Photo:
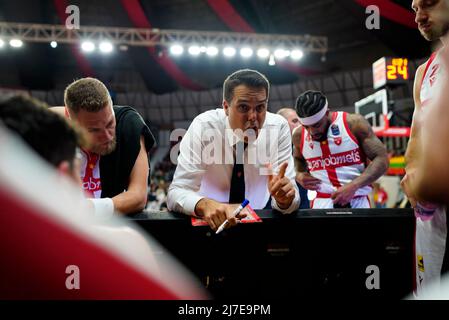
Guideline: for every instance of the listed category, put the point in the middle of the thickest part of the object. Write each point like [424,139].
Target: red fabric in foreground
[36,252]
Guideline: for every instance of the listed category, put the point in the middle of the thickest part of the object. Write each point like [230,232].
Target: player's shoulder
[213,115]
[358,125]
[422,67]
[355,118]
[277,122]
[296,136]
[419,75]
[274,119]
[420,71]
[210,119]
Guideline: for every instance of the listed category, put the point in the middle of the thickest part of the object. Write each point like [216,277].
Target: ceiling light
[16,43]
[246,52]
[194,50]
[229,51]
[176,49]
[106,47]
[296,54]
[263,53]
[281,53]
[212,51]
[53,44]
[87,46]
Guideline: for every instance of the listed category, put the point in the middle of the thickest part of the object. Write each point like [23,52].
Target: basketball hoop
[375,109]
[387,131]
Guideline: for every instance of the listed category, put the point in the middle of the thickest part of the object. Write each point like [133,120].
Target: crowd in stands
[160,178]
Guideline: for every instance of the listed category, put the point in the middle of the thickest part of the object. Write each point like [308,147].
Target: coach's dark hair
[309,103]
[46,132]
[247,77]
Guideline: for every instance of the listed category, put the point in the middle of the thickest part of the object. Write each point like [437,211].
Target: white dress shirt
[205,164]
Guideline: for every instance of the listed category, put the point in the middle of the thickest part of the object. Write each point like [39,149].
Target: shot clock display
[388,71]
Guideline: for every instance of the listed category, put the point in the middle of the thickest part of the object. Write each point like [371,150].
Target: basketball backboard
[373,108]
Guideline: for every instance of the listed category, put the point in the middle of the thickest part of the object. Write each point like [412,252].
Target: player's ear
[67,112]
[70,171]
[63,168]
[225,107]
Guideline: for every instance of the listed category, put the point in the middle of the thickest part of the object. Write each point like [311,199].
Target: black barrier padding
[311,254]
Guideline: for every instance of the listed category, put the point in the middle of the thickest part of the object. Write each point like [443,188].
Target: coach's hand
[215,213]
[281,188]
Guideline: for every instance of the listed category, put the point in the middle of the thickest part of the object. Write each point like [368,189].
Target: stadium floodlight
[246,52]
[176,49]
[16,43]
[161,40]
[271,61]
[281,53]
[263,53]
[87,46]
[194,50]
[296,54]
[53,44]
[106,47]
[229,52]
[212,51]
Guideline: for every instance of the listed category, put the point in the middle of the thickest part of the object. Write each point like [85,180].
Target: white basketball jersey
[432,79]
[90,174]
[337,160]
[430,236]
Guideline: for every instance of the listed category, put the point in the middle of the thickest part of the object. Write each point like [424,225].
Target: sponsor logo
[420,263]
[92,185]
[335,160]
[433,75]
[309,139]
[337,141]
[335,130]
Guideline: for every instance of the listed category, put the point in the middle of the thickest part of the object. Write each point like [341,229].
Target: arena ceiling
[351,45]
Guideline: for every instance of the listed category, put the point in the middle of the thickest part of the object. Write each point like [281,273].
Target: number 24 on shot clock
[390,71]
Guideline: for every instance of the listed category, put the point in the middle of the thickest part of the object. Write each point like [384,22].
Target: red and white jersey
[337,160]
[430,235]
[432,79]
[90,171]
[90,174]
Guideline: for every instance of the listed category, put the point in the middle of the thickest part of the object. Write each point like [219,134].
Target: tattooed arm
[374,150]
